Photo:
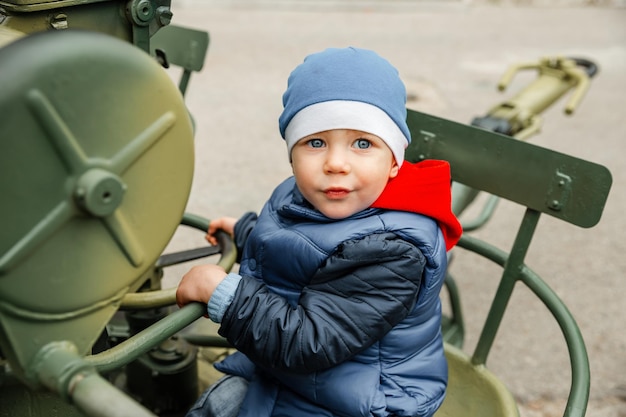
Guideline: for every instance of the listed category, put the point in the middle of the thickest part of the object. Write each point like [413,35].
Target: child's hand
[226,224]
[199,283]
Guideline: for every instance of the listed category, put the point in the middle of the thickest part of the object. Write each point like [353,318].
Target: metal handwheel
[86,134]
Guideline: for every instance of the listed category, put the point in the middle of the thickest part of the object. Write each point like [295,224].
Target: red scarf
[424,188]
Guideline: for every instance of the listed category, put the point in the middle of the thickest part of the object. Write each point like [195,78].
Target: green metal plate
[568,188]
[184,47]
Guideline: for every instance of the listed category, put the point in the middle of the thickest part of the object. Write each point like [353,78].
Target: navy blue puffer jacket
[348,327]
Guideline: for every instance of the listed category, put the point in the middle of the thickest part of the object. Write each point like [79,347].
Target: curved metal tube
[148,299]
[207,340]
[484,216]
[145,340]
[96,397]
[60,368]
[579,360]
[195,221]
[167,297]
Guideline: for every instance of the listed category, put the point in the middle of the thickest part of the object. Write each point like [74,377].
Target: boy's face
[342,171]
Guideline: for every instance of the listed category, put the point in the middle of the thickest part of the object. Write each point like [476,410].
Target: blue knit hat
[347,88]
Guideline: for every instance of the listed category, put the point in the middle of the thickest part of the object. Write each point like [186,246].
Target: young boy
[335,310]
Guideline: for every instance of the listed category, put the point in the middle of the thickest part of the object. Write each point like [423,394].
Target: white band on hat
[345,114]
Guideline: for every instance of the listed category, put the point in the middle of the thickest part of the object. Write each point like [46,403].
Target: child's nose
[337,161]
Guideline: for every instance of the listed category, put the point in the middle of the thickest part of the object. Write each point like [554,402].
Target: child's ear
[393,172]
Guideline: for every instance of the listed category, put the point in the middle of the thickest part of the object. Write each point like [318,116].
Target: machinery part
[183,47]
[60,368]
[520,172]
[542,181]
[520,116]
[162,298]
[165,378]
[96,164]
[187,255]
[133,21]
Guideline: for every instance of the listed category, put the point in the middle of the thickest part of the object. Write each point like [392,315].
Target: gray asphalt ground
[451,55]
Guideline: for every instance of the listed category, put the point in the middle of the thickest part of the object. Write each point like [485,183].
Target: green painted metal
[183,47]
[453,325]
[60,368]
[27,5]
[96,167]
[579,361]
[473,390]
[556,76]
[565,187]
[519,117]
[483,217]
[543,181]
[229,251]
[145,340]
[134,21]
[167,297]
[100,16]
[510,275]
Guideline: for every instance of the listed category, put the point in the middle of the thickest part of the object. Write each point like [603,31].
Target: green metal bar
[454,328]
[96,397]
[484,216]
[193,220]
[162,298]
[148,299]
[229,251]
[59,368]
[579,360]
[462,197]
[510,275]
[184,81]
[145,340]
[207,340]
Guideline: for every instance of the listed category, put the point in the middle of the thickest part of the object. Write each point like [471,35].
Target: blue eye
[362,143]
[316,143]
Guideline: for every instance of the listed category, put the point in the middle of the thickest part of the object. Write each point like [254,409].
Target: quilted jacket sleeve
[243,227]
[366,287]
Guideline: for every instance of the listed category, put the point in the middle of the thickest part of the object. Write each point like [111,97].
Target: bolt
[58,21]
[165,15]
[144,11]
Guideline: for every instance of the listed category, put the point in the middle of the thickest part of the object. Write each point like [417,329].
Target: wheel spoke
[144,141]
[42,231]
[61,136]
[122,232]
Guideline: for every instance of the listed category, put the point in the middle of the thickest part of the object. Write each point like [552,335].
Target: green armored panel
[96,162]
[571,189]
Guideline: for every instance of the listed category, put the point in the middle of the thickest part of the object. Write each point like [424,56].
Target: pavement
[450,55]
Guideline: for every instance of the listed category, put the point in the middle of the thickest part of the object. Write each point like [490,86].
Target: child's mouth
[336,193]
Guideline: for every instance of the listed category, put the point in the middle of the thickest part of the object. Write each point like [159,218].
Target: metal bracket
[559,191]
[427,139]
